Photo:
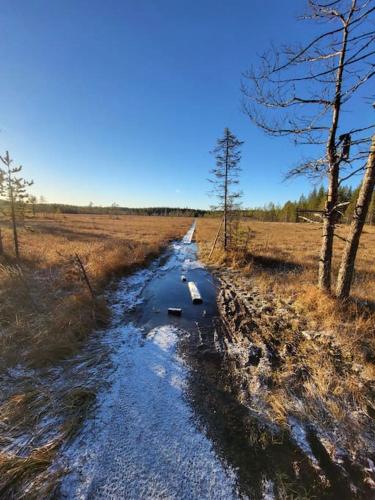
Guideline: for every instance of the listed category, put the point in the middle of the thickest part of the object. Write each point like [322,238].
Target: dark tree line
[315,200]
[31,207]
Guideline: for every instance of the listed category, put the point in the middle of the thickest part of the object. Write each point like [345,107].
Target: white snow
[143,442]
[129,293]
[298,433]
[268,490]
[191,264]
[189,235]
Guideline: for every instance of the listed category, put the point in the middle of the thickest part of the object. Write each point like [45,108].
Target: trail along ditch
[168,422]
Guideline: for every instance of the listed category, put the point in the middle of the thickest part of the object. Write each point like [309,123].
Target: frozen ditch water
[144,441]
[172,422]
[152,449]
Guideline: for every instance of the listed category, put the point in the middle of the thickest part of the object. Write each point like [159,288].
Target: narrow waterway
[167,424]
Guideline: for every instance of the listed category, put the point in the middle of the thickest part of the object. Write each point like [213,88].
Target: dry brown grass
[336,362]
[45,309]
[284,258]
[31,471]
[109,243]
[46,314]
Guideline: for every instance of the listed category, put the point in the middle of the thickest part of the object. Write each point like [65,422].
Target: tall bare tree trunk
[371,215]
[326,252]
[1,243]
[345,276]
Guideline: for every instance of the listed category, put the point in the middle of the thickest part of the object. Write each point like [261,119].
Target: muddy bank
[300,381]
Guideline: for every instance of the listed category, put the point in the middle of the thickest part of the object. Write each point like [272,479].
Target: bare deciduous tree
[345,276]
[225,176]
[302,91]
[14,189]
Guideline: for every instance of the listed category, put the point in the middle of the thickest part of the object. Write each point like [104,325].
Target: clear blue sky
[121,100]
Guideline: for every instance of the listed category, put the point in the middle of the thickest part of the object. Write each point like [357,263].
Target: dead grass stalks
[47,312]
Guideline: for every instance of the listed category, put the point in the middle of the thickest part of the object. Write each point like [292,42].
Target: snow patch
[189,235]
[298,433]
[129,293]
[143,442]
[164,337]
[192,264]
[268,489]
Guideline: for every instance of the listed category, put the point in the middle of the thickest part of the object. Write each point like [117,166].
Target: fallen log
[194,292]
[175,311]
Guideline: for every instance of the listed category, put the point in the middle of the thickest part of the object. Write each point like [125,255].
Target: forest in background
[271,212]
[315,200]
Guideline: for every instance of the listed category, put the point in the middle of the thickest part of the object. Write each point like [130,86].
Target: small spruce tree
[225,175]
[14,189]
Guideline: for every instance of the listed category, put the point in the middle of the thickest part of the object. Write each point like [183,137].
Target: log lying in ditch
[175,311]
[194,292]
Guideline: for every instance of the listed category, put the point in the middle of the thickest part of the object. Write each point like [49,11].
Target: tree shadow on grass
[69,234]
[276,264]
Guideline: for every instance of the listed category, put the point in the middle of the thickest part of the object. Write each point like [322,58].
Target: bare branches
[301,91]
[303,51]
[336,64]
[356,171]
[313,169]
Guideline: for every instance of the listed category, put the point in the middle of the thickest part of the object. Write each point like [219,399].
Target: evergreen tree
[225,176]
[14,189]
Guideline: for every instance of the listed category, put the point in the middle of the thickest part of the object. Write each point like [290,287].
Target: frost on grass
[129,293]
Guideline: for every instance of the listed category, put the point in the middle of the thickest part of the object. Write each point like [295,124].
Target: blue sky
[122,100]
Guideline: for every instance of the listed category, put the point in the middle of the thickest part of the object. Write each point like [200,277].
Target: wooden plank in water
[176,311]
[189,235]
[194,292]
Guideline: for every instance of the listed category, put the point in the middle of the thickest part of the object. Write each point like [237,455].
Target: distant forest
[271,212]
[58,208]
[315,200]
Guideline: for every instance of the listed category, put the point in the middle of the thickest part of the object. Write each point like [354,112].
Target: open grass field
[46,314]
[281,248]
[332,342]
[46,309]
[106,242]
[281,260]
